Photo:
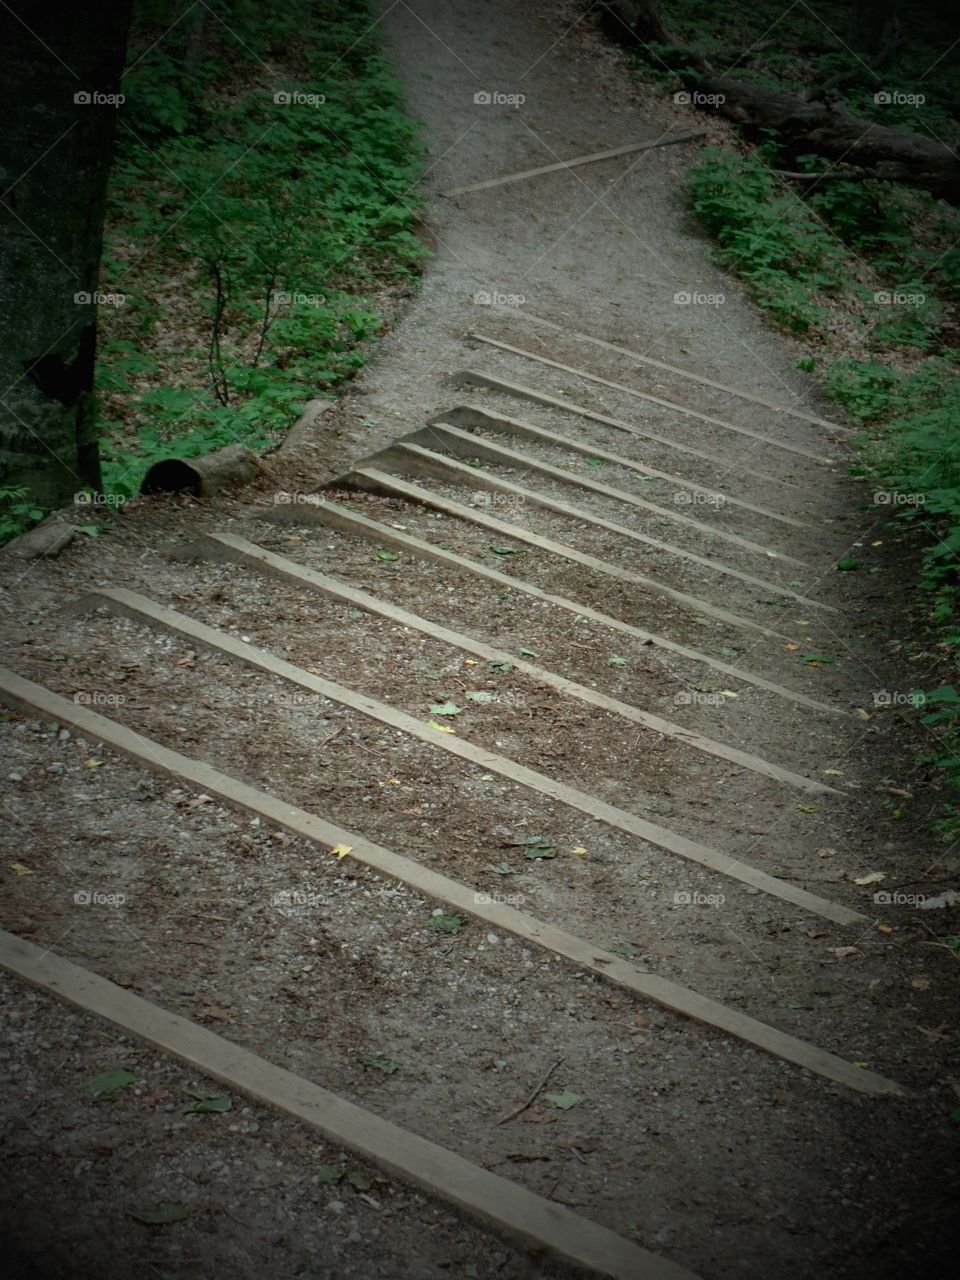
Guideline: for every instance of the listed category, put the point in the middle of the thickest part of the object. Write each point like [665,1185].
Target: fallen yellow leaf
[394,782]
[833,773]
[860,713]
[728,693]
[19,869]
[340,851]
[874,877]
[802,622]
[469,662]
[579,850]
[440,728]
[92,764]
[792,647]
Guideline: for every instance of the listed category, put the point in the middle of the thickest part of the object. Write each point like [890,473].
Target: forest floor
[725,1160]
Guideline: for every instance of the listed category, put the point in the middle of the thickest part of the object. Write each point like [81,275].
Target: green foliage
[17,512]
[253,237]
[764,232]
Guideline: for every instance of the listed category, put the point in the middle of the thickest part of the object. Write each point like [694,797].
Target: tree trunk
[63,62]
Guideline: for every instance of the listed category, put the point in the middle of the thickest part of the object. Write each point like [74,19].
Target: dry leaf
[579,850]
[19,869]
[860,713]
[340,851]
[441,728]
[842,953]
[874,877]
[920,984]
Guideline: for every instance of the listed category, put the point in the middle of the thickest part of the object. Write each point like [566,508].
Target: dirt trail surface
[642,611]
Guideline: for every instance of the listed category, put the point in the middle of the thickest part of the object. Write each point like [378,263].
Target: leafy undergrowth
[261,220]
[864,274]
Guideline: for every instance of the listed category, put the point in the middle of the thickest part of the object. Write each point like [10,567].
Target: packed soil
[724,1159]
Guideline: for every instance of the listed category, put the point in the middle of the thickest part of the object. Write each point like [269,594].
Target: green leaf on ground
[501,668]
[330,1174]
[447,924]
[386,1065]
[564,1101]
[616,662]
[846,565]
[818,659]
[504,869]
[535,850]
[206,1103]
[387,555]
[445,709]
[358,1179]
[108,1083]
[528,653]
[626,949]
[505,551]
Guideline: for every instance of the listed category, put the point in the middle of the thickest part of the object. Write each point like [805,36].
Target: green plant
[17,512]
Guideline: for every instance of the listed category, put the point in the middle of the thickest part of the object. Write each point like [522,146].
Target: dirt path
[695,709]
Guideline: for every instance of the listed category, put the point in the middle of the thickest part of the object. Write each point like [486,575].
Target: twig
[523,1106]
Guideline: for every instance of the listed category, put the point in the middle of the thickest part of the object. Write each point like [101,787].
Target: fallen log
[827,128]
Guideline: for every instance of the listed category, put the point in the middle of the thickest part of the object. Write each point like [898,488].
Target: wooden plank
[467,445]
[334,516]
[475,415]
[510,1208]
[31,698]
[667,140]
[772,405]
[796,449]
[228,546]
[143,610]
[382,481]
[475,378]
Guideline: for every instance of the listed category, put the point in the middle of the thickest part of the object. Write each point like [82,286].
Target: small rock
[336,1206]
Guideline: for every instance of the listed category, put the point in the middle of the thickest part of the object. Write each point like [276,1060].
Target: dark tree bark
[826,127]
[56,155]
